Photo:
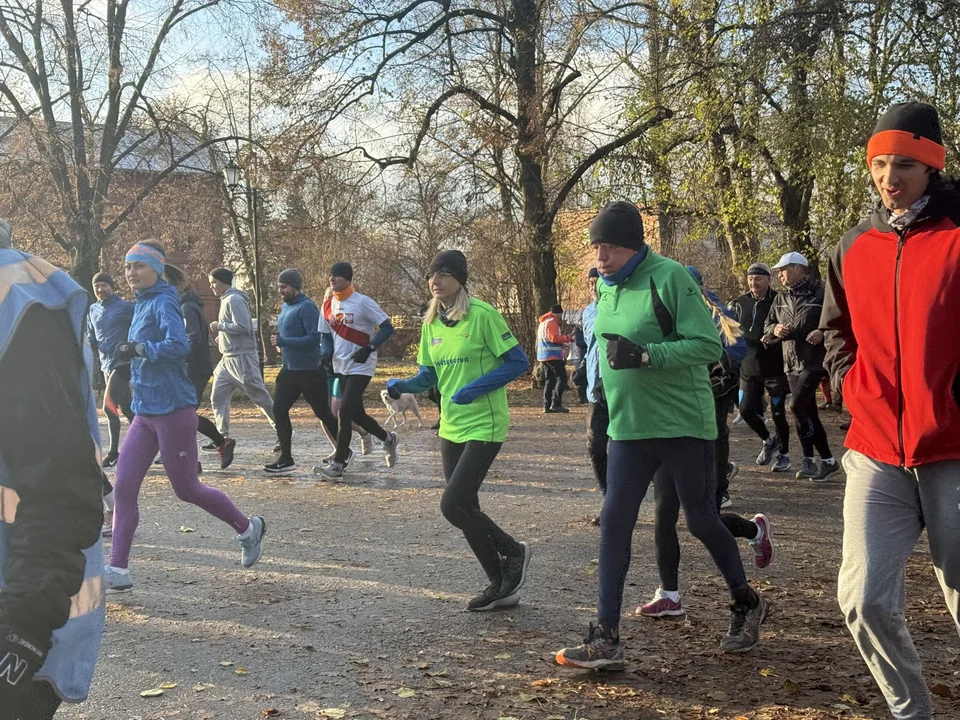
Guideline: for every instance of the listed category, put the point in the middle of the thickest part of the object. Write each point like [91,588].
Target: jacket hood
[298,299]
[161,287]
[234,291]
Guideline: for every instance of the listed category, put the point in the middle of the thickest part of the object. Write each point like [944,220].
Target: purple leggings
[174,435]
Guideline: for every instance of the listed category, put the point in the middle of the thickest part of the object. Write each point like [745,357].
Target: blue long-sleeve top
[514,364]
[108,323]
[384,332]
[297,334]
[593,350]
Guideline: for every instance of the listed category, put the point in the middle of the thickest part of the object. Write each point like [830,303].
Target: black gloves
[623,354]
[126,351]
[20,659]
[361,355]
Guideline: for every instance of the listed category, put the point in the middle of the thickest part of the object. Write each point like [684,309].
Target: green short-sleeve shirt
[461,354]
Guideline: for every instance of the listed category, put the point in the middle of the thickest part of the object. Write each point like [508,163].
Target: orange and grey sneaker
[601,650]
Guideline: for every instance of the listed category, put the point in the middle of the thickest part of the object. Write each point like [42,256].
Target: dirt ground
[357,609]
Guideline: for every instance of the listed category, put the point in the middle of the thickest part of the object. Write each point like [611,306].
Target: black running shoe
[491,598]
[514,570]
[280,466]
[209,447]
[110,460]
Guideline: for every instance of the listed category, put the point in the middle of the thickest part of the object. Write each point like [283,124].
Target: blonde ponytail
[729,328]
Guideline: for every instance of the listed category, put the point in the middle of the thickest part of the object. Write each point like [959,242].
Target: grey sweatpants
[884,511]
[241,372]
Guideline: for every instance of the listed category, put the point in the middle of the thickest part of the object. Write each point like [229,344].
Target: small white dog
[400,407]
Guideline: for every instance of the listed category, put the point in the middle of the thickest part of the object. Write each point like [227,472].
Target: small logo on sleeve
[507,335]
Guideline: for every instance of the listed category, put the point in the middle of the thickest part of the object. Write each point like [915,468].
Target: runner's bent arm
[514,365]
[174,344]
[835,322]
[240,322]
[310,320]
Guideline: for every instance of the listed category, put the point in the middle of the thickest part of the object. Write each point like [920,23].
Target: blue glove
[463,396]
[393,388]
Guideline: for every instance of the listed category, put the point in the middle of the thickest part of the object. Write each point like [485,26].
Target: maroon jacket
[891,320]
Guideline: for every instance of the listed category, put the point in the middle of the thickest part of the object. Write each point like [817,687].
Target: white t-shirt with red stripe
[352,323]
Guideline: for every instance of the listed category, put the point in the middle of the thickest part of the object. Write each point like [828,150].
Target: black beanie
[342,269]
[104,277]
[911,129]
[618,223]
[556,309]
[224,275]
[291,277]
[453,262]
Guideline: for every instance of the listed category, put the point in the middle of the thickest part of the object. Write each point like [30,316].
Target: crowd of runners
[660,360]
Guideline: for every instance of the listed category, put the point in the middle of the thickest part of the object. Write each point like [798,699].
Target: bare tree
[540,77]
[79,84]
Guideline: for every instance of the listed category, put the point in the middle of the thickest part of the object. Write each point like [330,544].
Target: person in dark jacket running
[298,339]
[199,362]
[724,376]
[793,321]
[658,340]
[108,321]
[762,370]
[51,607]
[165,405]
[468,351]
[890,323]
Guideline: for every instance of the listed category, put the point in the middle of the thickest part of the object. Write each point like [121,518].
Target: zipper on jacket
[901,241]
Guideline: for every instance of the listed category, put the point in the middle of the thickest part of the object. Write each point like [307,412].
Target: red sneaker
[661,606]
[762,546]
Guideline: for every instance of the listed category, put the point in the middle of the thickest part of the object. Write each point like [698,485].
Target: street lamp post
[231,175]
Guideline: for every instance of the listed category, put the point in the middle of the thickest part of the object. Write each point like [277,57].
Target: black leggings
[116,399]
[666,515]
[632,464]
[554,382]
[205,426]
[352,411]
[290,385]
[804,406]
[598,420]
[465,465]
[751,406]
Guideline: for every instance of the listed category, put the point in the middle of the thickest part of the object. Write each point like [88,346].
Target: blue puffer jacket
[107,325]
[159,379]
[298,337]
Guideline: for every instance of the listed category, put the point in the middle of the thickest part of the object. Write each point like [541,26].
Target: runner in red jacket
[891,317]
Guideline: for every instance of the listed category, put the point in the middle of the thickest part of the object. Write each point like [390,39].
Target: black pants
[290,385]
[205,426]
[666,514]
[689,464]
[721,453]
[554,382]
[352,411]
[116,399]
[598,420]
[580,380]
[751,404]
[804,406]
[465,465]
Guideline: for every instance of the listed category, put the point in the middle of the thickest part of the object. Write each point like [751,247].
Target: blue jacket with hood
[107,326]
[159,378]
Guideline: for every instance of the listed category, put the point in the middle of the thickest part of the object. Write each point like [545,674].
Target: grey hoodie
[235,325]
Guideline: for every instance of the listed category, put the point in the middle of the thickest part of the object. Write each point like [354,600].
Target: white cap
[791,258]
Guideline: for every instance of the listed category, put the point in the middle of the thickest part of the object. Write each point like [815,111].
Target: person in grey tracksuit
[240,366]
